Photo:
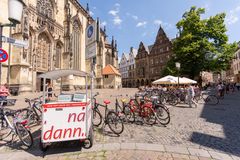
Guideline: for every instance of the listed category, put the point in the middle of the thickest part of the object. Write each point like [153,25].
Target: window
[167,48]
[151,61]
[106,76]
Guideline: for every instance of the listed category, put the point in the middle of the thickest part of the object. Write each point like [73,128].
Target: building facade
[233,74]
[127,68]
[123,68]
[55,32]
[151,60]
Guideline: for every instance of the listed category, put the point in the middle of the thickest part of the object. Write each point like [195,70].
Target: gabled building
[160,54]
[151,60]
[131,68]
[127,68]
[123,68]
[111,77]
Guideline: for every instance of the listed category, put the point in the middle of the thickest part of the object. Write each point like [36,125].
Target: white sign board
[91,50]
[15,42]
[65,121]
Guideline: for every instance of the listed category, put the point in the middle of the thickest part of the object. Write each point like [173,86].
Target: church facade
[55,32]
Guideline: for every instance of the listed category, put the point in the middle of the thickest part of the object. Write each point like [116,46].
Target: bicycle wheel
[114,122]
[129,114]
[212,100]
[97,118]
[163,115]
[148,115]
[5,129]
[24,135]
[173,100]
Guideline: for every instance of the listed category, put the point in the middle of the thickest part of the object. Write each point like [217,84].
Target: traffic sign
[3,55]
[15,42]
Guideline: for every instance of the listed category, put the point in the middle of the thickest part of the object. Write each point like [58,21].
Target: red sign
[3,55]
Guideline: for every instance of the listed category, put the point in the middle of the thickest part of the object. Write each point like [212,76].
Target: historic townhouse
[131,68]
[123,68]
[55,31]
[151,60]
[127,68]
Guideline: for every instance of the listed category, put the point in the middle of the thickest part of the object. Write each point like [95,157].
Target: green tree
[202,44]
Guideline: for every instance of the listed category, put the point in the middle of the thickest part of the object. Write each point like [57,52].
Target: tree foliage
[202,44]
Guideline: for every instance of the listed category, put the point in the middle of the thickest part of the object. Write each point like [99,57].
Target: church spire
[87,8]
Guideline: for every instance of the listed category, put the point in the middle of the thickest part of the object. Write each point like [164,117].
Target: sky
[133,21]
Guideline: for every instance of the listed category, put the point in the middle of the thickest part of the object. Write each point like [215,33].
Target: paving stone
[235,157]
[220,156]
[149,147]
[127,146]
[193,158]
[180,156]
[111,146]
[175,149]
[199,152]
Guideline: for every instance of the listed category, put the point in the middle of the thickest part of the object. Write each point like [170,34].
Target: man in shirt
[4,92]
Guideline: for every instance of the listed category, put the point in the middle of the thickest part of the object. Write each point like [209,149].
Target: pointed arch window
[76,45]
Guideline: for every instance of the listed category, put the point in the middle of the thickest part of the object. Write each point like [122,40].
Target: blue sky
[132,21]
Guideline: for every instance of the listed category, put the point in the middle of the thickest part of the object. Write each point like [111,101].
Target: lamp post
[178,66]
[15,9]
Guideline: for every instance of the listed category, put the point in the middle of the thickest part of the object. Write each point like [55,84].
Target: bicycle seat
[106,102]
[124,100]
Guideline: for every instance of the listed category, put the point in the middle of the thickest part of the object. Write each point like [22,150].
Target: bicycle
[11,123]
[124,111]
[34,112]
[111,118]
[161,111]
[144,110]
[208,99]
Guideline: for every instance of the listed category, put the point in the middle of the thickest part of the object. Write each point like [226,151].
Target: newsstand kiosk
[70,116]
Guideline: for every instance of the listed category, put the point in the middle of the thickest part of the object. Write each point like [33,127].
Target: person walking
[191,95]
[238,86]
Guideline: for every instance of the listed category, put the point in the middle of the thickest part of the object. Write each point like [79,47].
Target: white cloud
[115,13]
[157,22]
[117,20]
[94,7]
[141,24]
[117,5]
[232,16]
[135,17]
[91,13]
[104,23]
[164,24]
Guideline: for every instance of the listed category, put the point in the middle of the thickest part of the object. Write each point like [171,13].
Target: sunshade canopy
[174,80]
[166,80]
[56,74]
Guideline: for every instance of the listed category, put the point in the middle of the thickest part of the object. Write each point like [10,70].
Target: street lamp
[15,9]
[178,66]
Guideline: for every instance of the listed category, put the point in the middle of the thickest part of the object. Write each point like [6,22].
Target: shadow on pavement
[228,117]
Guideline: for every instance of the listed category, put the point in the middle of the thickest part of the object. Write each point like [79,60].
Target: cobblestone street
[205,131]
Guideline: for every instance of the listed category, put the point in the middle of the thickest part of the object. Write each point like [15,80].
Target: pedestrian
[4,92]
[49,91]
[191,95]
[238,86]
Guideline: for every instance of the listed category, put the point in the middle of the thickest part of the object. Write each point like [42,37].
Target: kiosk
[70,116]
